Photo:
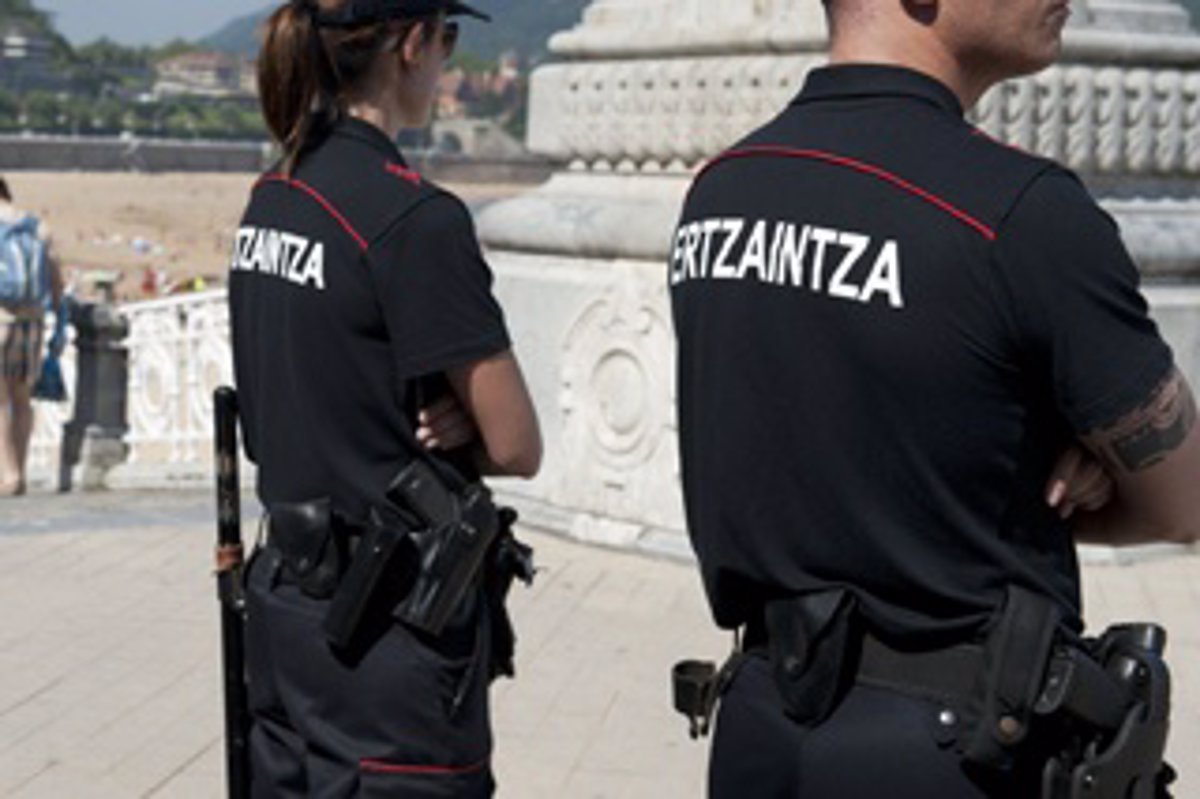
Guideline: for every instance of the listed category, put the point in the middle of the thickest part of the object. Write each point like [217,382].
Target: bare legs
[16,428]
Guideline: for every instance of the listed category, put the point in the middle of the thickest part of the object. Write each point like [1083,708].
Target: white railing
[179,351]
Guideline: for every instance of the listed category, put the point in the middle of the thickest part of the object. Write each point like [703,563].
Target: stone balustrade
[670,115]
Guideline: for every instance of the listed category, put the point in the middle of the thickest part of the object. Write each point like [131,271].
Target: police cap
[367,12]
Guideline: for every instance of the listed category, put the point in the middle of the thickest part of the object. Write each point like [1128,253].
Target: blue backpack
[24,276]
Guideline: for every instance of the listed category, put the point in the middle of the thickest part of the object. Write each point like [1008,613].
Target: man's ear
[923,11]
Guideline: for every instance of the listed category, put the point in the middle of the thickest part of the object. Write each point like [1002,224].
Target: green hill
[521,25]
[238,36]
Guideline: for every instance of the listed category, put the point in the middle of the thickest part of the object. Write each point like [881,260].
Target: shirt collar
[365,133]
[877,80]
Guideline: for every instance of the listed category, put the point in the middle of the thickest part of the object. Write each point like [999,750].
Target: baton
[230,560]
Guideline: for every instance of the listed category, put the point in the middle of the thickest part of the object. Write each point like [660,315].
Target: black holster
[1115,717]
[417,558]
[381,570]
[1094,711]
[452,530]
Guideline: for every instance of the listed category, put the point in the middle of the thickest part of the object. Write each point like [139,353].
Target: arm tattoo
[1150,433]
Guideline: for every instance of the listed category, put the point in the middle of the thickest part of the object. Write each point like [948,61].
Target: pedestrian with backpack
[30,282]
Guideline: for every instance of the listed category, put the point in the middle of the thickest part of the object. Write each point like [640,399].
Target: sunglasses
[449,37]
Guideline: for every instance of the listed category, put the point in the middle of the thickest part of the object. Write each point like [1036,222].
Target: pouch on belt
[303,534]
[813,645]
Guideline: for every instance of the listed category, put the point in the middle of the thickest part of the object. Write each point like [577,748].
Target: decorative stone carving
[1161,17]
[617,435]
[614,370]
[649,115]
[594,336]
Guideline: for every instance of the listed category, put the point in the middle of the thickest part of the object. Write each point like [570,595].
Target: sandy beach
[181,224]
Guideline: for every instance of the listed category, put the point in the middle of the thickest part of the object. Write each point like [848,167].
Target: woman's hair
[306,73]
[5,194]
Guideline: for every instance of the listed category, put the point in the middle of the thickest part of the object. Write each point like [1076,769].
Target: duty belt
[1101,704]
[418,558]
[941,675]
[946,675]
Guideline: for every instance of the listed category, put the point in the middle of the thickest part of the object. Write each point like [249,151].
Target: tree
[106,53]
[10,110]
[41,111]
[106,116]
[172,49]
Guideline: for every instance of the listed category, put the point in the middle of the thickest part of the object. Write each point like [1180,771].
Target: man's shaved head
[969,45]
[845,13]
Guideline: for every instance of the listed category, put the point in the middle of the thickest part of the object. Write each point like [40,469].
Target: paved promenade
[109,683]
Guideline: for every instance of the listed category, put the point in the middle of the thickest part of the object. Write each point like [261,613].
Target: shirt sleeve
[1082,321]
[435,289]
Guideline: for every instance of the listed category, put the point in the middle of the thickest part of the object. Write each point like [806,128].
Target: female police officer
[354,281]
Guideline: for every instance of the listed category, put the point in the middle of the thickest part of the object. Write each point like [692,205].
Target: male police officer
[914,369]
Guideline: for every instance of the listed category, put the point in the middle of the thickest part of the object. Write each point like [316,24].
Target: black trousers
[404,717]
[877,744]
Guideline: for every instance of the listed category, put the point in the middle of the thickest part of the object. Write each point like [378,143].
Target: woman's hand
[1078,482]
[446,425]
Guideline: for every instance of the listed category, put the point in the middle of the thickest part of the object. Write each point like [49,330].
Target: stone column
[94,438]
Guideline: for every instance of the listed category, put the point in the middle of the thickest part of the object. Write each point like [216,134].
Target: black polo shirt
[351,280]
[889,328]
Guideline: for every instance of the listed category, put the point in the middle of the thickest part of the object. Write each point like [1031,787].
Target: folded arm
[493,393]
[1153,457]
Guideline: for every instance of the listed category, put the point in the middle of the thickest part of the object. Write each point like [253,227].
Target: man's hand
[446,425]
[1078,482]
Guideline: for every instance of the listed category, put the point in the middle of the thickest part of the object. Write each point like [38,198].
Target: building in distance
[27,61]
[205,74]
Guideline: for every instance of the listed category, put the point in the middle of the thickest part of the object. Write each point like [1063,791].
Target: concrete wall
[444,168]
[105,154]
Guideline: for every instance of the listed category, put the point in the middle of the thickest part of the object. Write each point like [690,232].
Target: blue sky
[144,21]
